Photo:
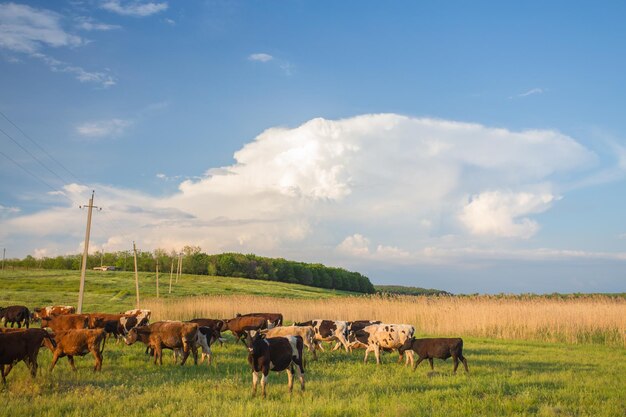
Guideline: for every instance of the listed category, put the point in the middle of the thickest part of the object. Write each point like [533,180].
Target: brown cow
[436,348]
[43,312]
[79,342]
[66,322]
[275,319]
[22,345]
[239,325]
[169,335]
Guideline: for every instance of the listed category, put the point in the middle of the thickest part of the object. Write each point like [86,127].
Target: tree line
[196,262]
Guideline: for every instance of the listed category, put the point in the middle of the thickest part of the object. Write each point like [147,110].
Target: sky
[464,146]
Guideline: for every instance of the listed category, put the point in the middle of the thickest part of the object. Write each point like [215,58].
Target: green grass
[115,291]
[507,379]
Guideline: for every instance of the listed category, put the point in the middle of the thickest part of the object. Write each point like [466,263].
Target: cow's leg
[337,346]
[377,354]
[255,381]
[194,352]
[290,378]
[4,379]
[319,345]
[70,358]
[8,369]
[158,354]
[367,352]
[98,357]
[456,363]
[55,358]
[417,363]
[430,360]
[186,350]
[264,381]
[27,322]
[464,362]
[300,372]
[410,357]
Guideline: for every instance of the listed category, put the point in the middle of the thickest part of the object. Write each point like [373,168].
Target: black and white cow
[328,331]
[383,336]
[353,327]
[204,339]
[275,354]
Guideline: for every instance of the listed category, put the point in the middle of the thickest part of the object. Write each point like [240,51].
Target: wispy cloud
[88,24]
[27,30]
[103,128]
[531,92]
[7,211]
[134,8]
[286,66]
[260,57]
[104,79]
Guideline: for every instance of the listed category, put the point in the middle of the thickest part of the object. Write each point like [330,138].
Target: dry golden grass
[594,319]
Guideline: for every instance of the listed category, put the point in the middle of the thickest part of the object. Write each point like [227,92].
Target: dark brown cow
[21,345]
[214,324]
[66,322]
[275,319]
[275,354]
[79,342]
[15,314]
[239,325]
[436,348]
[167,334]
[100,320]
[43,312]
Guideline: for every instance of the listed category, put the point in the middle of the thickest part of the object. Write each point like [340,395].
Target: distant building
[104,268]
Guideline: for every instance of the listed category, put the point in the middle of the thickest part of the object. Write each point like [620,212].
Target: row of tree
[194,261]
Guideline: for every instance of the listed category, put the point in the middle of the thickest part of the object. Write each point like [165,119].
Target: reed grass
[580,320]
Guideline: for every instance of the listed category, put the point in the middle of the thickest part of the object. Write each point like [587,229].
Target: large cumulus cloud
[385,187]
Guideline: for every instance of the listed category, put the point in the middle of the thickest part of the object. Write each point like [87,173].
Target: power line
[30,173]
[41,148]
[33,156]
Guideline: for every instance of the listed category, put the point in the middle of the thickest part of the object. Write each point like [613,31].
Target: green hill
[114,291]
[402,290]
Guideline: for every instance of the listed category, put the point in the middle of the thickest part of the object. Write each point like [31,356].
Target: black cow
[440,348]
[15,314]
[275,354]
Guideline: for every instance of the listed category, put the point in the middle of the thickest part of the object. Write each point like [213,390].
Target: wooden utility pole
[136,275]
[4,252]
[179,271]
[171,273]
[81,291]
[157,276]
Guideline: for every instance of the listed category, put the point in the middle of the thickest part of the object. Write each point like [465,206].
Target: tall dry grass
[595,319]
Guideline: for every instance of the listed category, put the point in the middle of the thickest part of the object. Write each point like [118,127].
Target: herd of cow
[271,346]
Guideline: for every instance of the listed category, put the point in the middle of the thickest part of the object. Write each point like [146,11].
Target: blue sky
[468,146]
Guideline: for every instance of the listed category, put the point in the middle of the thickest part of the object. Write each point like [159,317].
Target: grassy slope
[115,291]
[507,379]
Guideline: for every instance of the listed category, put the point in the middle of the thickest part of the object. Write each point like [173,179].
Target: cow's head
[131,337]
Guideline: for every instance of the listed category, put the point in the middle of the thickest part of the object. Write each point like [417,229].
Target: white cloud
[530,92]
[169,21]
[103,128]
[88,24]
[26,29]
[415,189]
[134,8]
[7,211]
[261,57]
[500,213]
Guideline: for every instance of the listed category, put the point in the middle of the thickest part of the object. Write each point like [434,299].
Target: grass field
[507,377]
